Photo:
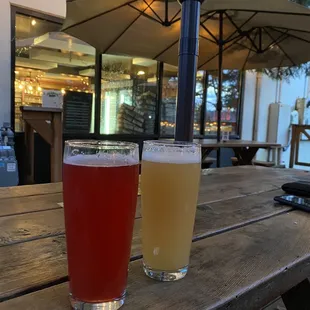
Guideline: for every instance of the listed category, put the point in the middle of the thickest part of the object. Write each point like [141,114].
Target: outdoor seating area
[155,154]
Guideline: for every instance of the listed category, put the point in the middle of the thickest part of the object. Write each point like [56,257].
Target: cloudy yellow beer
[170,186]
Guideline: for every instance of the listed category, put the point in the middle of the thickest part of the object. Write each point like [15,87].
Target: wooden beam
[42,128]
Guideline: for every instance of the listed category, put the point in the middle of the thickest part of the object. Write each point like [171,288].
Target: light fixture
[30,87]
[141,72]
[16,72]
[33,22]
[63,91]
[20,86]
[39,88]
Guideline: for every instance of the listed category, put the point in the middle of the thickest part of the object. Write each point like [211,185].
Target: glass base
[164,275]
[108,305]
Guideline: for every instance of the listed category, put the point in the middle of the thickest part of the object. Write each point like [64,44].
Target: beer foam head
[95,153]
[171,152]
[106,160]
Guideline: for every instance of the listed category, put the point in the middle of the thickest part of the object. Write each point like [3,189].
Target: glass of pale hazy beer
[170,184]
[100,180]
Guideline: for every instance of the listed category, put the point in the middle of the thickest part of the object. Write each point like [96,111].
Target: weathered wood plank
[226,183]
[30,226]
[29,204]
[216,184]
[242,269]
[36,225]
[30,190]
[17,276]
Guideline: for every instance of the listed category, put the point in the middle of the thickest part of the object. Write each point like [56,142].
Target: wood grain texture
[36,225]
[232,182]
[30,190]
[242,269]
[31,226]
[210,220]
[29,204]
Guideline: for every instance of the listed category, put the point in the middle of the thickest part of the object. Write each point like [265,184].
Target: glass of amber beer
[169,183]
[100,182]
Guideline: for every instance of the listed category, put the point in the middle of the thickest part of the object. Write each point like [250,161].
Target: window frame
[98,64]
[29,13]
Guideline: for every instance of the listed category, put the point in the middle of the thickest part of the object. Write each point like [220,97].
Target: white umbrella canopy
[256,34]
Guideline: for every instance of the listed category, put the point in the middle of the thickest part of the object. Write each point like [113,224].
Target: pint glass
[100,182]
[170,183]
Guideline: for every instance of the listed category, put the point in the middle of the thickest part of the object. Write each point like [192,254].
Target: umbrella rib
[280,39]
[214,42]
[166,49]
[273,12]
[246,47]
[209,32]
[250,50]
[283,51]
[146,15]
[208,16]
[291,29]
[224,49]
[122,33]
[149,6]
[240,28]
[177,13]
[98,15]
[289,34]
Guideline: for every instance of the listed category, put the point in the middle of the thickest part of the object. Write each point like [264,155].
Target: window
[128,95]
[230,99]
[169,101]
[46,59]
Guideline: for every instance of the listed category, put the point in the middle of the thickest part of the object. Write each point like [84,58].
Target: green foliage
[290,72]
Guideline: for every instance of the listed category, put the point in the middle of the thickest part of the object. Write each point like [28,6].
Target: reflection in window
[128,95]
[230,99]
[46,59]
[169,99]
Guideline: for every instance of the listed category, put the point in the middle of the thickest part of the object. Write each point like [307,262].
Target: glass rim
[101,144]
[172,143]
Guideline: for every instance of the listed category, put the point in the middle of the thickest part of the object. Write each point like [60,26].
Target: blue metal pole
[188,60]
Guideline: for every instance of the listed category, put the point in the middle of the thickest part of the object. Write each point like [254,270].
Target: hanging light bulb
[33,22]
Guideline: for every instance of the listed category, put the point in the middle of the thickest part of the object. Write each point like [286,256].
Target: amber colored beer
[169,199]
[99,204]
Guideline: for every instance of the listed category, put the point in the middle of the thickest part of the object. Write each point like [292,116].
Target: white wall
[52,7]
[248,105]
[269,92]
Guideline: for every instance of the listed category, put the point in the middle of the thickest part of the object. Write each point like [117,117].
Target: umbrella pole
[188,60]
[220,86]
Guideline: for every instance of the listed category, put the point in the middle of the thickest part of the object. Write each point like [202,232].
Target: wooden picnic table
[246,250]
[244,150]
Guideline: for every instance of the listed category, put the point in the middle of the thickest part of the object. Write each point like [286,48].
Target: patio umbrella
[234,34]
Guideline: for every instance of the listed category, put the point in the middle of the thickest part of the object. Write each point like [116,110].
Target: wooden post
[29,154]
[293,146]
[56,149]
[47,123]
